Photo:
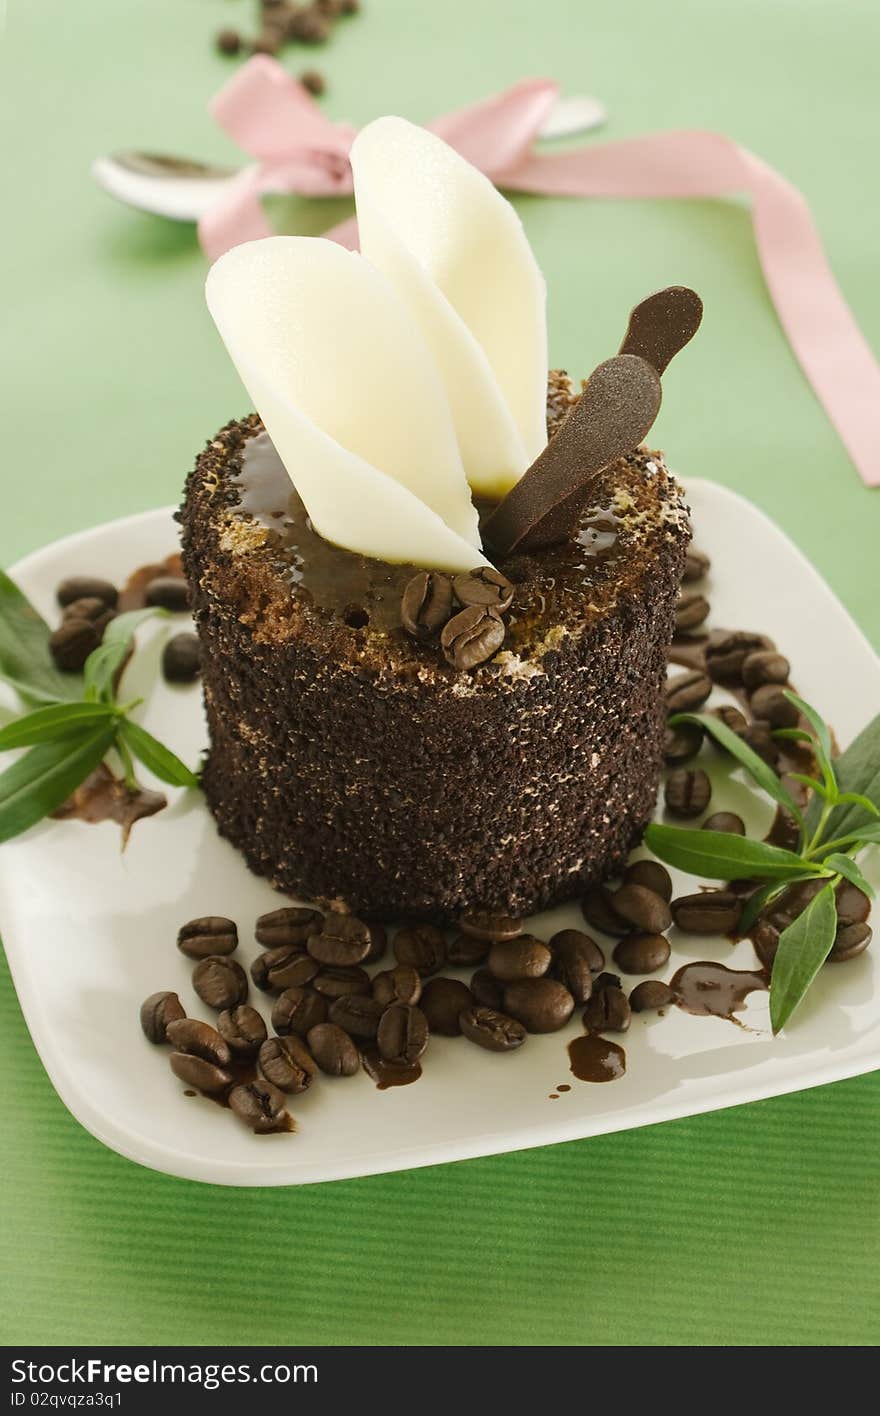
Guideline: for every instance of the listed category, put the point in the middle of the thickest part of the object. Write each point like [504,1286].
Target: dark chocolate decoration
[662,324]
[612,416]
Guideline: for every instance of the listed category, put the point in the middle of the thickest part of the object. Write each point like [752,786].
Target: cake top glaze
[290,584]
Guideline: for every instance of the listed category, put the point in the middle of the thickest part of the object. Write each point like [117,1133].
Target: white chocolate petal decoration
[347,390]
[457,253]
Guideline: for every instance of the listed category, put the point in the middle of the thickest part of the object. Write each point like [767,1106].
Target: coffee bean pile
[329,1015]
[464,611]
[750,667]
[283,22]
[89,603]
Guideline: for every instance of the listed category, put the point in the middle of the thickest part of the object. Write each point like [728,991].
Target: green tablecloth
[752,1226]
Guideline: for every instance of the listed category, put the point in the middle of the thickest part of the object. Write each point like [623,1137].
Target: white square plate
[90,932]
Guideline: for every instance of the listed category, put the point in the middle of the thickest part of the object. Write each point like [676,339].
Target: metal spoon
[183,189]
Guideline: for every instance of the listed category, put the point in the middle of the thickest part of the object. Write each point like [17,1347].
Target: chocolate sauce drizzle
[594,1059]
[708,989]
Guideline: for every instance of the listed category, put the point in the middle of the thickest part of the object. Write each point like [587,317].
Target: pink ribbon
[297,149]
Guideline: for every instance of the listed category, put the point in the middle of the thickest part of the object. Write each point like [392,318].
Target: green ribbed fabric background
[752,1226]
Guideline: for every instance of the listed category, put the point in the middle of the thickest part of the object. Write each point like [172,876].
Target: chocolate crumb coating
[353,765]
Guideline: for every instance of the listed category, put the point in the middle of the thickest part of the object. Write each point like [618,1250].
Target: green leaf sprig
[77,720]
[842,818]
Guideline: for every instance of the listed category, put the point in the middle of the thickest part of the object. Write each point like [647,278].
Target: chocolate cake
[352,764]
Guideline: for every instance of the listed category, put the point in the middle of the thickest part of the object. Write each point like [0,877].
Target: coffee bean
[422,946]
[92,609]
[525,957]
[288,968]
[731,717]
[484,586]
[211,934]
[229,41]
[642,908]
[260,1106]
[72,643]
[308,27]
[759,737]
[169,592]
[401,984]
[688,792]
[490,927]
[333,1050]
[606,980]
[765,666]
[487,989]
[490,1029]
[599,911]
[297,1010]
[426,604]
[287,1063]
[334,982]
[650,874]
[696,565]
[268,42]
[403,1034]
[182,659]
[196,1072]
[726,654]
[442,1001]
[650,996]
[770,704]
[343,941]
[765,938]
[467,951]
[472,637]
[685,692]
[607,1011]
[682,742]
[285,968]
[542,1005]
[691,610]
[220,981]
[290,925]
[707,912]
[577,959]
[850,941]
[243,1029]
[726,821]
[193,1036]
[378,943]
[358,1014]
[86,587]
[313,82]
[852,904]
[157,1012]
[642,953]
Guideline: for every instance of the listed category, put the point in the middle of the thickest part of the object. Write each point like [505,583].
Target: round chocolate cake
[352,763]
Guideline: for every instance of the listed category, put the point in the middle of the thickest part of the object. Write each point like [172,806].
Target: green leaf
[38,783]
[56,721]
[25,660]
[826,793]
[858,770]
[822,745]
[803,949]
[104,663]
[844,865]
[759,901]
[160,760]
[865,836]
[860,800]
[722,856]
[757,768]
